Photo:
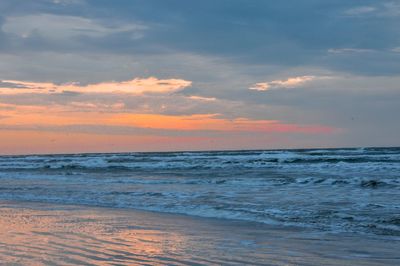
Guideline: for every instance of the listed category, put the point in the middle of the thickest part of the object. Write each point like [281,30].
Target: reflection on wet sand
[32,234]
[46,236]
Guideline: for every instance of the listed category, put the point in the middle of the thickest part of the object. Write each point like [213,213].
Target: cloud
[67,2]
[134,86]
[272,127]
[265,34]
[64,28]
[348,50]
[396,49]
[292,82]
[11,85]
[382,9]
[98,106]
[391,9]
[361,10]
[55,128]
[200,98]
[29,117]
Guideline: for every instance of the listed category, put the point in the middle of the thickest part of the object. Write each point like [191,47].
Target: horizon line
[199,151]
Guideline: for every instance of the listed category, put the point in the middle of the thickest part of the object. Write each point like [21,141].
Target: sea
[324,190]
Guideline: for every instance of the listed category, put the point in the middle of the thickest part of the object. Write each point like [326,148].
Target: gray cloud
[256,32]
[11,85]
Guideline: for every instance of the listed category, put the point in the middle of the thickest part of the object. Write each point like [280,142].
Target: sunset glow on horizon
[87,127]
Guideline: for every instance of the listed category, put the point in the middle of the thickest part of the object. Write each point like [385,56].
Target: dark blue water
[334,190]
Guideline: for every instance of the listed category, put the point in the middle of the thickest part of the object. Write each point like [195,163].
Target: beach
[276,207]
[55,234]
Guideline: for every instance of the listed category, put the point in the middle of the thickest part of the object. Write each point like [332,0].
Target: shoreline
[34,232]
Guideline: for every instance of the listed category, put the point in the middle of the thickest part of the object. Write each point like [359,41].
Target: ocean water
[332,190]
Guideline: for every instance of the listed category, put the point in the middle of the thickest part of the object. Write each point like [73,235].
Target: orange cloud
[134,86]
[200,98]
[61,129]
[59,116]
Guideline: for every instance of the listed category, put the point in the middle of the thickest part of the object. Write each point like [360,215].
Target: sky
[165,75]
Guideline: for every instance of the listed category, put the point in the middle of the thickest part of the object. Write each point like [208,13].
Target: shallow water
[49,234]
[333,190]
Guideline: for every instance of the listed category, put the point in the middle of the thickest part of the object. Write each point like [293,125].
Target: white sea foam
[335,190]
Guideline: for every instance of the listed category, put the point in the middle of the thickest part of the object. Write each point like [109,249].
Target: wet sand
[50,234]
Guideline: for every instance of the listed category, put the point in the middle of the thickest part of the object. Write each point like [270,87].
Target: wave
[326,189]
[202,160]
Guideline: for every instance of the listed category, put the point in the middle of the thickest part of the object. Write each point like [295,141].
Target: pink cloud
[134,86]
